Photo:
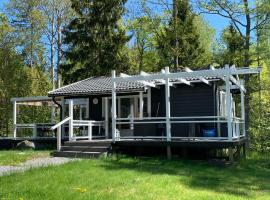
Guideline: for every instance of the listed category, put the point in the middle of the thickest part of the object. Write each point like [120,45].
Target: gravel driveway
[34,163]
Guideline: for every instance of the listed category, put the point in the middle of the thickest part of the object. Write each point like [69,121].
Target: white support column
[35,131]
[131,115]
[168,105]
[71,119]
[149,102]
[113,106]
[106,102]
[90,131]
[14,119]
[243,109]
[63,117]
[229,107]
[141,105]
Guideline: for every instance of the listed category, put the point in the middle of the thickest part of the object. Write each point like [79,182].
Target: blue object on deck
[209,132]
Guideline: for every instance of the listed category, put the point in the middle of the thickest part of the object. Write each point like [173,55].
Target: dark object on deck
[25,145]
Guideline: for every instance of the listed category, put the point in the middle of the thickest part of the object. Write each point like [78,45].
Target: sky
[217,22]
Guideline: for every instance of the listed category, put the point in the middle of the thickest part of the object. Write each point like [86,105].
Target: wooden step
[100,149]
[88,143]
[77,154]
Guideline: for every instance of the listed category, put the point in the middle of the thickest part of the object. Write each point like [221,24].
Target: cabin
[172,111]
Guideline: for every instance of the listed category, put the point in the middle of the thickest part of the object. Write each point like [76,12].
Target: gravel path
[34,163]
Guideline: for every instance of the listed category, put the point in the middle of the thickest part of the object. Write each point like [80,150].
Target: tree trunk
[247,62]
[52,53]
[176,43]
[59,49]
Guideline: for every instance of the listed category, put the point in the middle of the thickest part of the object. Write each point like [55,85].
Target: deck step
[88,143]
[85,148]
[77,154]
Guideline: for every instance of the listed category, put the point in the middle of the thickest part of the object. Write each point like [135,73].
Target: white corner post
[63,116]
[168,104]
[113,106]
[71,119]
[141,105]
[14,119]
[106,117]
[90,131]
[149,102]
[243,109]
[229,106]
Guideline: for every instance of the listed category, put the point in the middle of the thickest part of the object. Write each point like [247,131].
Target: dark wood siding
[199,100]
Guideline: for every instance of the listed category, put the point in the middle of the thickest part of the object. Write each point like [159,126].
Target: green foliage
[95,40]
[183,30]
[28,22]
[260,113]
[15,79]
[231,50]
[143,54]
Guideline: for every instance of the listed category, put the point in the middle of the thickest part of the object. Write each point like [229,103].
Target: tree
[27,22]
[144,55]
[95,40]
[243,15]
[11,75]
[232,50]
[57,14]
[180,39]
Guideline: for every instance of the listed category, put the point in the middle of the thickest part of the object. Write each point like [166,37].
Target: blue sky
[217,22]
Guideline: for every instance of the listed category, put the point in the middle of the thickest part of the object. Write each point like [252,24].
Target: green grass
[14,158]
[129,178]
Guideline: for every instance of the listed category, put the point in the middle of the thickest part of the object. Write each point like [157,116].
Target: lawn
[14,158]
[130,178]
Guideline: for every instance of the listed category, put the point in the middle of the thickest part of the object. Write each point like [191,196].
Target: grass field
[14,158]
[130,178]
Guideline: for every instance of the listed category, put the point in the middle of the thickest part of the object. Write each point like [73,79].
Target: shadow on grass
[252,175]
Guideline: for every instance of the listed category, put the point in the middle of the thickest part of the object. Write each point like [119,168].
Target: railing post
[71,119]
[35,131]
[90,131]
[229,104]
[168,105]
[63,116]
[106,118]
[14,119]
[141,105]
[113,106]
[243,109]
[59,138]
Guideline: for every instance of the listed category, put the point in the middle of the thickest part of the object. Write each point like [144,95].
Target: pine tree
[234,52]
[27,21]
[180,39]
[95,39]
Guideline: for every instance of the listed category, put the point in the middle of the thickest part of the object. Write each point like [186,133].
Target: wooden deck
[183,143]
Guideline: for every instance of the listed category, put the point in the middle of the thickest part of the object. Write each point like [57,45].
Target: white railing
[59,134]
[236,122]
[90,124]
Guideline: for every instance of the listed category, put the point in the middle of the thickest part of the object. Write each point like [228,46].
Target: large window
[128,106]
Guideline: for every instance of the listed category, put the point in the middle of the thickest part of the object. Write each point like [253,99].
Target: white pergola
[230,76]
[31,101]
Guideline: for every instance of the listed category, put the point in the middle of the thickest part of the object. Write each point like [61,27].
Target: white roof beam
[201,78]
[158,80]
[237,83]
[146,83]
[218,73]
[182,80]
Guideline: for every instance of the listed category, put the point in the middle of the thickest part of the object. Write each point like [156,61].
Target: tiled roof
[103,85]
[98,85]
